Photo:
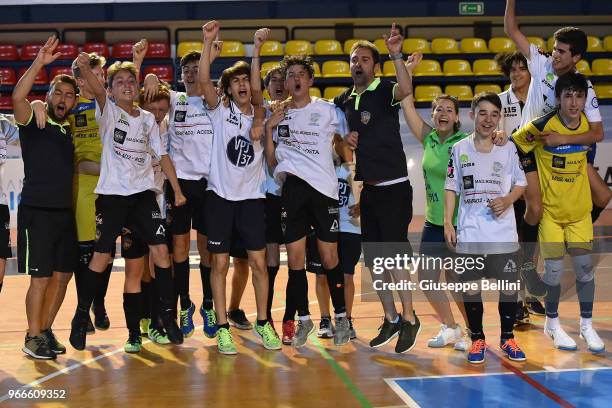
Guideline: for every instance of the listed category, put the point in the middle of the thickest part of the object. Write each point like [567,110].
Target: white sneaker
[560,338]
[593,341]
[462,344]
[445,336]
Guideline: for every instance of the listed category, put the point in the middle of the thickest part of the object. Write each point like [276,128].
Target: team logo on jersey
[314,119]
[464,158]
[558,162]
[123,120]
[99,219]
[179,116]
[182,98]
[510,266]
[365,117]
[240,151]
[468,182]
[80,120]
[450,172]
[550,76]
[344,192]
[497,166]
[119,135]
[283,130]
[595,102]
[156,215]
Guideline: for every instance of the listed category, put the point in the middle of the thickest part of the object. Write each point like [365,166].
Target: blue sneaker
[186,317]
[476,355]
[512,350]
[210,322]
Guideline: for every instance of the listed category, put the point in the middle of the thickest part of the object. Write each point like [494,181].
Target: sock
[507,317]
[165,290]
[551,301]
[1,287]
[145,312]
[290,310]
[335,282]
[154,305]
[261,323]
[98,301]
[474,310]
[596,212]
[90,283]
[586,322]
[223,326]
[586,295]
[530,239]
[300,291]
[131,309]
[272,271]
[86,249]
[396,320]
[181,282]
[206,287]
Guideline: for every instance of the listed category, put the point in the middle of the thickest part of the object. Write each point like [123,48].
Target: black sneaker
[101,320]
[37,347]
[386,333]
[238,319]
[522,314]
[54,345]
[407,335]
[78,332]
[534,284]
[175,335]
[352,329]
[90,326]
[535,307]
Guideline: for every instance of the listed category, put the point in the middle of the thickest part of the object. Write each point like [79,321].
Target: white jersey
[9,133]
[272,186]
[541,98]
[305,142]
[129,145]
[477,178]
[237,165]
[346,199]
[512,112]
[190,134]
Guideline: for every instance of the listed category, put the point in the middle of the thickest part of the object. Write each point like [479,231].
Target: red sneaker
[288,331]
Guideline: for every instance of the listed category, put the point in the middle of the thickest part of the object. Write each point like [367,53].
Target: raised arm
[512,30]
[394,43]
[417,125]
[90,78]
[259,38]
[210,31]
[139,50]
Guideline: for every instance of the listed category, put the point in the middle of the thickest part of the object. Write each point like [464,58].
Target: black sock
[206,287]
[131,309]
[86,250]
[154,305]
[551,301]
[181,282]
[165,290]
[596,212]
[586,295]
[335,282]
[300,291]
[507,316]
[272,271]
[261,322]
[90,283]
[530,239]
[474,310]
[290,310]
[98,301]
[1,283]
[145,312]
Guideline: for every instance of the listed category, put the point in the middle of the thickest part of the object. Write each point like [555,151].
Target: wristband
[397,56]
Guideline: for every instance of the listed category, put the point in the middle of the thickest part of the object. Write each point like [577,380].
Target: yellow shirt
[562,170]
[85,132]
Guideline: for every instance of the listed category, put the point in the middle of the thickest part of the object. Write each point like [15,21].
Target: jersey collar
[65,124]
[371,87]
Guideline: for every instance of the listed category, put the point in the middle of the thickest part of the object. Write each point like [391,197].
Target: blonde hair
[95,60]
[120,66]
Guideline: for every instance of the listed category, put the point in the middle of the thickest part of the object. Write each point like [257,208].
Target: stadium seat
[473,45]
[158,50]
[122,50]
[8,52]
[7,76]
[332,91]
[267,66]
[232,49]
[428,68]
[388,69]
[426,93]
[99,48]
[317,69]
[487,88]
[608,42]
[348,44]
[538,42]
[603,91]
[41,77]
[601,66]
[550,43]
[36,97]
[186,47]
[29,51]
[382,47]
[486,67]
[594,44]
[501,44]
[163,72]
[314,91]
[6,103]
[298,47]
[461,92]
[271,49]
[54,71]
[338,69]
[411,45]
[583,67]
[69,51]
[328,47]
[455,67]
[444,46]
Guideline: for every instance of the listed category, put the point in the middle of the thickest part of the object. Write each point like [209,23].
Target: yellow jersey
[562,170]
[85,132]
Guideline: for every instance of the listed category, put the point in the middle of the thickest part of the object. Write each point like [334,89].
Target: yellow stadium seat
[583,67]
[314,91]
[538,41]
[388,69]
[348,44]
[594,44]
[487,88]
[603,91]
[501,44]
[601,66]
[426,93]
[457,67]
[428,67]
[271,49]
[232,49]
[411,45]
[298,47]
[550,44]
[186,47]
[473,45]
[608,42]
[486,67]
[317,69]
[332,91]
[506,87]
[444,46]
[327,47]
[267,66]
[336,69]
[382,47]
[461,92]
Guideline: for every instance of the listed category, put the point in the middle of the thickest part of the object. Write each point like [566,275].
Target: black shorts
[228,220]
[46,241]
[302,207]
[433,243]
[139,211]
[5,232]
[519,212]
[274,232]
[528,161]
[497,266]
[192,214]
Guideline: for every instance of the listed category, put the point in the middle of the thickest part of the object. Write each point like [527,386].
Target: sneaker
[407,335]
[210,322]
[174,333]
[342,334]
[158,335]
[561,339]
[534,284]
[225,342]
[304,329]
[326,328]
[288,332]
[54,345]
[445,336]
[268,336]
[101,321]
[352,329]
[273,327]
[386,333]
[512,350]
[145,323]
[37,347]
[462,344]
[593,341]
[78,332]
[522,314]
[476,355]
[133,343]
[186,318]
[535,307]
[90,326]
[238,319]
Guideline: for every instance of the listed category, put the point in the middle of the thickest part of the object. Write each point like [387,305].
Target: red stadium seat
[7,76]
[69,51]
[122,50]
[6,103]
[163,72]
[58,71]
[99,48]
[41,77]
[30,51]
[36,97]
[8,52]
[158,50]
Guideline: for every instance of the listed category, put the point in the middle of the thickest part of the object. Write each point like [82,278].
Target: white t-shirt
[512,113]
[346,199]
[190,136]
[9,133]
[305,142]
[272,186]
[478,178]
[541,98]
[237,165]
[129,145]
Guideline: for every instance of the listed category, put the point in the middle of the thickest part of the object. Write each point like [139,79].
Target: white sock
[304,318]
[340,315]
[397,319]
[552,322]
[586,322]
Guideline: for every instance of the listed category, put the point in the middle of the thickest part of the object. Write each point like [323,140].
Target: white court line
[404,396]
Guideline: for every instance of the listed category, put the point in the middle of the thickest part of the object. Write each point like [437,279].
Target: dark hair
[268,77]
[505,60]
[486,97]
[190,57]
[571,81]
[95,60]
[575,37]
[368,45]
[455,101]
[239,68]
[67,79]
[303,60]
